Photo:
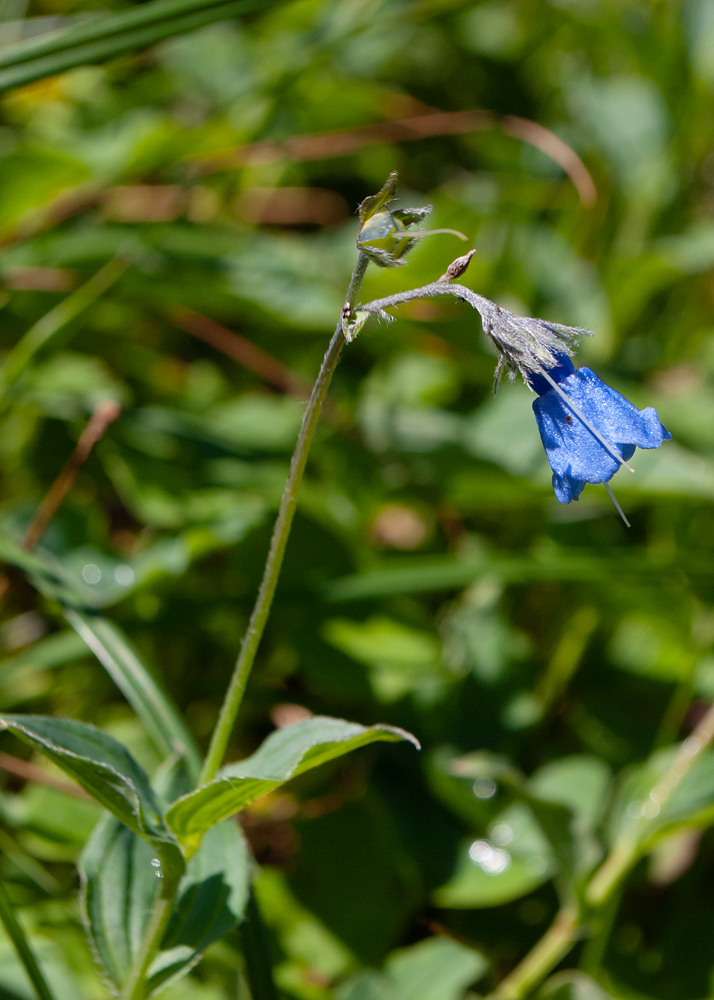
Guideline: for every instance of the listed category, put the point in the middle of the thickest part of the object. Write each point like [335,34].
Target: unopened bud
[457,267]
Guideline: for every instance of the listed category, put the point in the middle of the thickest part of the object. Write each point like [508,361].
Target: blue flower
[588,429]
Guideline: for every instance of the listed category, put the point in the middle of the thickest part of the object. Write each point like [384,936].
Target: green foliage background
[432,581]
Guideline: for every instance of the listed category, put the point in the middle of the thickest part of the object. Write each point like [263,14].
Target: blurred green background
[432,581]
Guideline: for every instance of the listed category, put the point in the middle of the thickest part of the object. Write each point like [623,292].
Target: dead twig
[104,413]
[240,349]
[31,772]
[344,142]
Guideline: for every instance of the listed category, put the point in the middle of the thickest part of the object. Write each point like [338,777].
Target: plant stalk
[601,892]
[22,946]
[135,986]
[623,856]
[278,542]
[544,956]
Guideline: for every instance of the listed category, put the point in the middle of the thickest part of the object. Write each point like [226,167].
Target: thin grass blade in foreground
[109,35]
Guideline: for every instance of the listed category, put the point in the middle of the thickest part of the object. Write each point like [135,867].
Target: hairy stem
[431,291]
[22,947]
[281,532]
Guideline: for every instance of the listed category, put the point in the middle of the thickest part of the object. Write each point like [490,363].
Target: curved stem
[544,956]
[281,532]
[626,853]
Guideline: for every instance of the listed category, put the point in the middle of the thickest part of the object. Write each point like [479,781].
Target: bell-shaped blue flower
[588,429]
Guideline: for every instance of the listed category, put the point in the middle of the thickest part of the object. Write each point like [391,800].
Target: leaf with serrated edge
[100,764]
[120,884]
[285,754]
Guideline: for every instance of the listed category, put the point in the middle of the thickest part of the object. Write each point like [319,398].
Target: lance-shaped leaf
[100,764]
[121,878]
[99,37]
[285,754]
[157,712]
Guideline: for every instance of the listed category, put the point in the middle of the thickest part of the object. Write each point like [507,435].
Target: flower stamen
[618,508]
[581,416]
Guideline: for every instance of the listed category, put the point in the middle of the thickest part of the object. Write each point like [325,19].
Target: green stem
[45,329]
[600,930]
[554,945]
[135,986]
[612,871]
[281,532]
[22,946]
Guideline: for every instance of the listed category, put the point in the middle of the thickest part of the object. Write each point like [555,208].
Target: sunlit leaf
[285,754]
[438,968]
[100,764]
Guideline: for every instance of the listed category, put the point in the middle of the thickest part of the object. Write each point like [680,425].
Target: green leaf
[409,216]
[555,818]
[285,754]
[120,882]
[512,861]
[157,712]
[436,969]
[636,818]
[376,202]
[102,37]
[100,764]
[579,782]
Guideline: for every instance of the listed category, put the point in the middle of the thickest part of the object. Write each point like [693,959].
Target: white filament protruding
[618,508]
[581,416]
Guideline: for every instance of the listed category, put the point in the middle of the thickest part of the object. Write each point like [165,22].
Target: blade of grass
[159,715]
[22,947]
[46,328]
[117,43]
[103,26]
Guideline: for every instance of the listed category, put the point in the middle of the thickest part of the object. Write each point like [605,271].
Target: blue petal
[558,372]
[575,454]
[567,489]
